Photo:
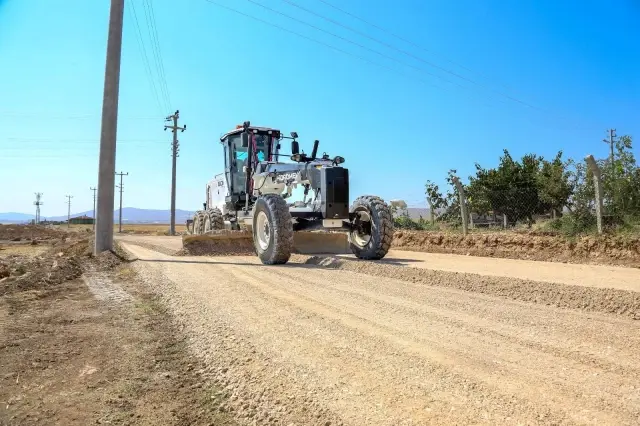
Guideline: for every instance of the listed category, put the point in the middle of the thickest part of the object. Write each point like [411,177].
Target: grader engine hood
[330,183]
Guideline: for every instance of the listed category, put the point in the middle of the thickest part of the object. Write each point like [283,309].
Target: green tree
[554,184]
[619,180]
[509,189]
[435,199]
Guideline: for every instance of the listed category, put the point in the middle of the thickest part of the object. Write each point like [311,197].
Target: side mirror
[245,139]
[295,148]
[315,149]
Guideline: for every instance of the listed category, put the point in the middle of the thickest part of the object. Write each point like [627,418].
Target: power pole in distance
[174,154]
[611,142]
[94,207]
[69,197]
[107,165]
[38,203]
[121,189]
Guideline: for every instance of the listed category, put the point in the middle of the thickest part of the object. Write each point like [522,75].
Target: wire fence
[594,203]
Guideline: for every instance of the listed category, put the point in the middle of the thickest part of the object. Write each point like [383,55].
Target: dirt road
[308,345]
[598,276]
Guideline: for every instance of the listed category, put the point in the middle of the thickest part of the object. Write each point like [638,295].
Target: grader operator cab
[253,192]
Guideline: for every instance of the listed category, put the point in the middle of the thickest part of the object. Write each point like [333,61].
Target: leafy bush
[573,224]
[405,222]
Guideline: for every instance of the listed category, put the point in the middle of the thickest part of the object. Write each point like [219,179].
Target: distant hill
[13,217]
[129,215]
[415,213]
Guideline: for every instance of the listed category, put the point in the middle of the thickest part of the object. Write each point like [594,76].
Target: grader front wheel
[272,230]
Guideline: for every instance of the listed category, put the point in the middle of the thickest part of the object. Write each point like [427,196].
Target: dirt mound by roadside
[63,262]
[30,233]
[218,243]
[611,250]
[611,301]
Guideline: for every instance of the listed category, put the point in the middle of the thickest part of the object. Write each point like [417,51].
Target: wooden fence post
[432,214]
[463,206]
[597,184]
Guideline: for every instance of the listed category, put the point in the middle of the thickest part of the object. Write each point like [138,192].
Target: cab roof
[259,130]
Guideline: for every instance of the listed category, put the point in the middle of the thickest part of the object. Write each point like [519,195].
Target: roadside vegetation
[537,194]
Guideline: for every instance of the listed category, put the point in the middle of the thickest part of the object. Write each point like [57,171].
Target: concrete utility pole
[94,207]
[174,153]
[597,184]
[464,214]
[38,203]
[611,142]
[69,197]
[121,189]
[107,166]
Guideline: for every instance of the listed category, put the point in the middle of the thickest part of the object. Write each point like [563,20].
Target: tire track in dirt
[481,318]
[477,356]
[380,351]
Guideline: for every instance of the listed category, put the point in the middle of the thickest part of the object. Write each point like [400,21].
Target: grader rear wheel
[212,220]
[198,223]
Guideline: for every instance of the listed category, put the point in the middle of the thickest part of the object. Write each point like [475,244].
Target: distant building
[81,220]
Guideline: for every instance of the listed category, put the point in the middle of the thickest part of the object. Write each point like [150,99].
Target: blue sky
[538,76]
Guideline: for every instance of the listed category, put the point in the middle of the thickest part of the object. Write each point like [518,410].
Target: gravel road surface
[301,344]
[598,276]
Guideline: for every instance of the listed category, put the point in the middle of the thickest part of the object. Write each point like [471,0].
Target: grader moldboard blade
[219,243]
[321,242]
[240,243]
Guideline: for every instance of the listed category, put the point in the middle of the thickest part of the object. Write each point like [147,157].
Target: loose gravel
[590,299]
[304,344]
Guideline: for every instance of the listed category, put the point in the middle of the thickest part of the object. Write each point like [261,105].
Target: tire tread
[383,222]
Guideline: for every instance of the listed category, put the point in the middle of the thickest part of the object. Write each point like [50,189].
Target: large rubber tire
[198,223]
[380,228]
[213,220]
[272,230]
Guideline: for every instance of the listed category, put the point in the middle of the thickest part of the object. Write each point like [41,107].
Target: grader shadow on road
[312,264]
[203,262]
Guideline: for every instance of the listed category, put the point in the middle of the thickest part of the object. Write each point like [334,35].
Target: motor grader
[253,193]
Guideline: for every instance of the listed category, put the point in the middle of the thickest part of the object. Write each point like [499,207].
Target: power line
[145,58]
[154,52]
[155,41]
[401,38]
[404,52]
[337,49]
[82,140]
[44,115]
[551,114]
[362,46]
